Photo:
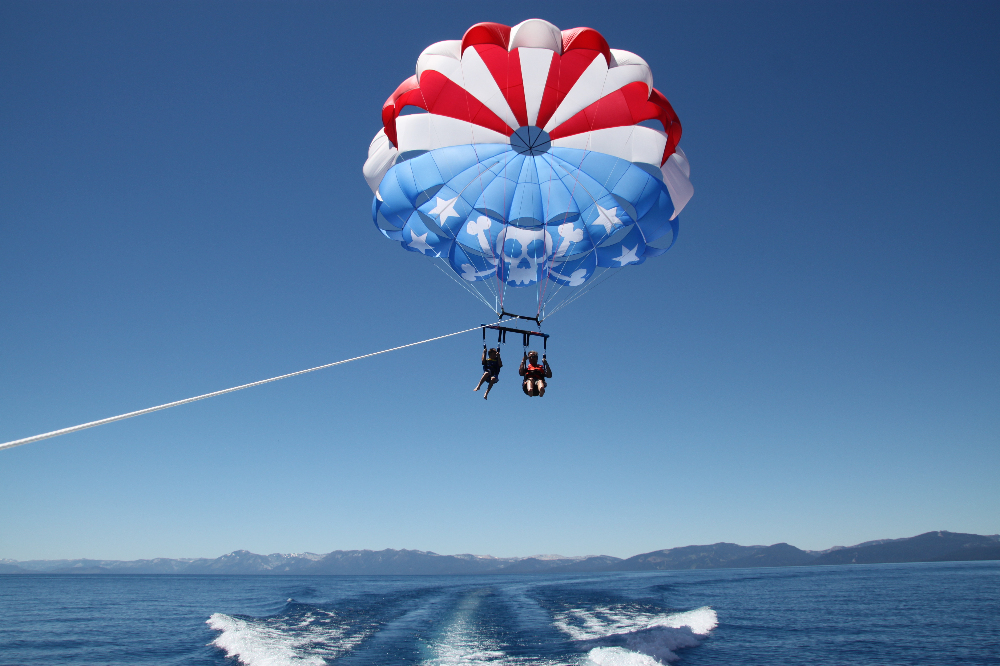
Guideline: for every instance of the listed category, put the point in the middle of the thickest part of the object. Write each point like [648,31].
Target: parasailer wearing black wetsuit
[491,370]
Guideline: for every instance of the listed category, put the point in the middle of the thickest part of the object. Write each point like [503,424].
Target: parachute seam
[576,179]
[557,162]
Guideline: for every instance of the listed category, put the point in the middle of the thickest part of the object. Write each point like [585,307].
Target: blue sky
[182,210]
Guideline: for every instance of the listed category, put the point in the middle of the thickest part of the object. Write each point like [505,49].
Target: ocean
[942,613]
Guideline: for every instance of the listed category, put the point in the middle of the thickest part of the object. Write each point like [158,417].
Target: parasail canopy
[527,156]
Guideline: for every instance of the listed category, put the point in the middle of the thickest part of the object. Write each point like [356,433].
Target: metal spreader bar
[502,332]
[503,313]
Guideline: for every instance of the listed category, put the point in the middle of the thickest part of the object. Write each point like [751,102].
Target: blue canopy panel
[656,223]
[526,205]
[495,198]
[494,211]
[593,175]
[407,183]
[396,207]
[583,189]
[629,250]
[417,237]
[657,251]
[447,210]
[605,218]
[391,234]
[558,205]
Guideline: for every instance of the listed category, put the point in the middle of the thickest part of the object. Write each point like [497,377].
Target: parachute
[524,157]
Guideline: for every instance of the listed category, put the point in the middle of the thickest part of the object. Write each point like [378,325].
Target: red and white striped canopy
[569,83]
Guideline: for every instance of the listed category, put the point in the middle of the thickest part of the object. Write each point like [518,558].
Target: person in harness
[534,374]
[491,370]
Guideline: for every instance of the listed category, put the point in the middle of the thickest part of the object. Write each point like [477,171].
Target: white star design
[628,256]
[419,242]
[607,219]
[444,209]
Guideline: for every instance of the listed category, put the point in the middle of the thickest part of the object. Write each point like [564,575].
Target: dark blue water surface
[879,614]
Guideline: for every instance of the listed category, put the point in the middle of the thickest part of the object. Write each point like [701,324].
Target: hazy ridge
[929,547]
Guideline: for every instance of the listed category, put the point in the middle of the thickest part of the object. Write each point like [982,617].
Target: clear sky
[817,360]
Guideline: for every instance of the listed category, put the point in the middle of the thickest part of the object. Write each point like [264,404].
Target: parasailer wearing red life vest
[534,374]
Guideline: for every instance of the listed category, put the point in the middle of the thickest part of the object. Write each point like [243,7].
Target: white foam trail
[603,621]
[258,645]
[700,620]
[309,642]
[649,638]
[616,656]
[462,644]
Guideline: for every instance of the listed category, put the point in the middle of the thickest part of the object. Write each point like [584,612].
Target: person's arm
[484,355]
[499,361]
[520,370]
[548,370]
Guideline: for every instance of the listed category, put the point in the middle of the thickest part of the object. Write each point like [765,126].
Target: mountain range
[929,547]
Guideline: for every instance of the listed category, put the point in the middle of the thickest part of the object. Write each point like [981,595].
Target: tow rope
[148,410]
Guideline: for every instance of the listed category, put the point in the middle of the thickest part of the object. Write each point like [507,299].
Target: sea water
[887,614]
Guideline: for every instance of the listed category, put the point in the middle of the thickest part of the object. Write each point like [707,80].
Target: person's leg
[526,387]
[533,384]
[489,387]
[482,379]
[540,385]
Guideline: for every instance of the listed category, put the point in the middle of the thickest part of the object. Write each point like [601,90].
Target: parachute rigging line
[472,290]
[148,410]
[609,273]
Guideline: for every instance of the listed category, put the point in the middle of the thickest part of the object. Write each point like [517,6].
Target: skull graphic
[523,251]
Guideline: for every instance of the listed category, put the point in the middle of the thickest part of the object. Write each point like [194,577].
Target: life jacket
[534,371]
[492,366]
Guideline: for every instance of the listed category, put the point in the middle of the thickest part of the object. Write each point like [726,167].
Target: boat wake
[462,622]
[309,637]
[463,641]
